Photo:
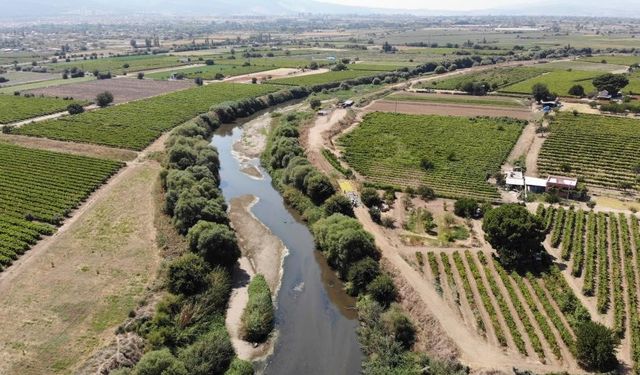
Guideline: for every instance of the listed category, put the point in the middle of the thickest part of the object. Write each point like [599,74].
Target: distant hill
[49,8]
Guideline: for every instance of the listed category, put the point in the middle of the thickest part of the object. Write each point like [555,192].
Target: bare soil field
[84,149]
[62,300]
[272,74]
[421,108]
[123,89]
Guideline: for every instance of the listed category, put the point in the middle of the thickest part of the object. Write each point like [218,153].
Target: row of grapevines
[451,281]
[590,256]
[634,315]
[616,275]
[502,304]
[548,219]
[435,269]
[577,247]
[557,227]
[457,260]
[602,302]
[540,318]
[567,234]
[486,299]
[520,310]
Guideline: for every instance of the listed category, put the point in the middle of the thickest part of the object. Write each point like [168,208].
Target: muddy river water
[315,320]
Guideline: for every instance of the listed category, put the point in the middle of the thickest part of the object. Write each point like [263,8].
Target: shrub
[75,108]
[382,290]
[159,362]
[440,69]
[198,81]
[104,99]
[258,316]
[187,275]
[240,367]
[212,354]
[399,326]
[216,243]
[465,207]
[315,103]
[361,274]
[338,204]
[370,197]
[576,90]
[426,193]
[141,75]
[596,346]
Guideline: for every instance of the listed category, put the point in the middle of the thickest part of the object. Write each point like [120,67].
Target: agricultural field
[322,78]
[135,125]
[119,65]
[495,77]
[123,89]
[38,189]
[382,66]
[16,108]
[601,149]
[617,59]
[601,252]
[492,101]
[42,84]
[559,82]
[18,78]
[452,155]
[510,310]
[209,72]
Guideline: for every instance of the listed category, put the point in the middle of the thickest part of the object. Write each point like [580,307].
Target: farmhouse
[516,180]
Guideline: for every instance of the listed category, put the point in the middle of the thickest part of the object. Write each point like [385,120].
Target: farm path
[315,137]
[52,116]
[274,74]
[474,351]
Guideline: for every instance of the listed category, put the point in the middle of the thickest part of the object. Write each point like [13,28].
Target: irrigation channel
[315,320]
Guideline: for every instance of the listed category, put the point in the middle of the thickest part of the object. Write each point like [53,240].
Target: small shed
[562,183]
[347,104]
[604,95]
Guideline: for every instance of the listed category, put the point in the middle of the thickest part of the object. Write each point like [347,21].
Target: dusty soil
[263,253]
[317,136]
[425,108]
[273,74]
[580,107]
[254,137]
[64,297]
[124,89]
[84,149]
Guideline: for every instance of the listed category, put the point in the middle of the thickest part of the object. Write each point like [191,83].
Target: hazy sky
[433,4]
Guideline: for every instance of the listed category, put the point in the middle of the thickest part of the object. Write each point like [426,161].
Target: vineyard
[496,78]
[491,101]
[602,252]
[322,78]
[38,189]
[118,65]
[534,315]
[136,124]
[559,82]
[210,72]
[461,153]
[601,149]
[16,108]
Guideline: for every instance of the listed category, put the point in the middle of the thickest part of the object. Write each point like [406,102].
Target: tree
[258,315]
[399,326]
[576,90]
[212,354]
[382,290]
[370,197]
[104,99]
[209,62]
[338,204]
[315,103]
[75,108]
[596,347]
[426,164]
[465,207]
[198,81]
[426,193]
[440,69]
[159,362]
[540,92]
[613,83]
[387,48]
[141,75]
[361,274]
[516,235]
[313,65]
[318,187]
[187,274]
[216,243]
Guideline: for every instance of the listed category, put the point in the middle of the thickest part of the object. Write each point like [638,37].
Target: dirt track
[422,108]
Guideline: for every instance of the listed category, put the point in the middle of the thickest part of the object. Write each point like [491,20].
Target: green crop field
[38,189]
[390,149]
[496,77]
[494,101]
[321,78]
[16,108]
[117,64]
[601,149]
[557,81]
[209,72]
[618,59]
[43,84]
[135,125]
[382,67]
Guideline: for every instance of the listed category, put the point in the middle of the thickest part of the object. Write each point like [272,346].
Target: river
[316,321]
